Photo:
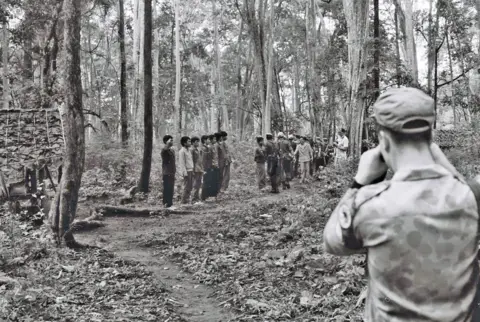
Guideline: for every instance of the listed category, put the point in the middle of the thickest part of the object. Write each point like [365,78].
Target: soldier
[215,179]
[260,162]
[168,171]
[185,168]
[207,167]
[197,168]
[294,142]
[273,168]
[419,229]
[228,161]
[286,157]
[221,159]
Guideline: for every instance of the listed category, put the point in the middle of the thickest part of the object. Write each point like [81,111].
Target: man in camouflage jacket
[419,229]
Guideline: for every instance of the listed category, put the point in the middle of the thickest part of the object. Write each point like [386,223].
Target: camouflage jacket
[419,230]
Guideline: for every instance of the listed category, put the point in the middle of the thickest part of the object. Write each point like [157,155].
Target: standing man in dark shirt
[215,183]
[207,155]
[286,157]
[260,161]
[221,159]
[271,150]
[168,170]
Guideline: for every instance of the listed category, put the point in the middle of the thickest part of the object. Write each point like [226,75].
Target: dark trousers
[216,182]
[168,188]
[187,187]
[287,170]
[261,175]
[273,170]
[207,184]
[197,184]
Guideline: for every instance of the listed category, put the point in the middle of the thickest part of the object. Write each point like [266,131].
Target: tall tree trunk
[296,86]
[123,74]
[27,60]
[178,112]
[467,111]
[222,106]
[147,116]
[213,111]
[65,203]
[256,29]
[267,113]
[435,65]
[477,3]
[356,14]
[376,51]
[404,10]
[397,48]
[239,84]
[6,87]
[431,49]
[452,95]
[138,41]
[314,74]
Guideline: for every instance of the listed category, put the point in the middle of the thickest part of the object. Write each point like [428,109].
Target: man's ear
[384,140]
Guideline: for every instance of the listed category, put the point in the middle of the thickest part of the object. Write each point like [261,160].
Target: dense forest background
[245,66]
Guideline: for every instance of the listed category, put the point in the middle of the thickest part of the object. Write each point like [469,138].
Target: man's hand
[370,167]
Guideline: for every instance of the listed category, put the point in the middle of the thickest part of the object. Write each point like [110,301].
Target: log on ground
[117,211]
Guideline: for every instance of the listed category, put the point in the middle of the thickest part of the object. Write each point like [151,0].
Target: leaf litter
[39,282]
[264,256]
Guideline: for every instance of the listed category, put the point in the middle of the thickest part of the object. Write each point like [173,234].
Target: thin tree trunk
[65,203]
[178,120]
[435,66]
[376,51]
[6,86]
[213,110]
[123,75]
[397,49]
[477,3]
[27,60]
[239,83]
[143,184]
[267,116]
[221,91]
[296,86]
[450,65]
[467,111]
[431,48]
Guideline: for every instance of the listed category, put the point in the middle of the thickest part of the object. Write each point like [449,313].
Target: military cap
[405,110]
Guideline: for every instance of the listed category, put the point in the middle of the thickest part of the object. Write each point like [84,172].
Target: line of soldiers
[203,164]
[286,159]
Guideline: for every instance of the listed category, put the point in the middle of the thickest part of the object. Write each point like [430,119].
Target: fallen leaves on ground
[265,258]
[39,282]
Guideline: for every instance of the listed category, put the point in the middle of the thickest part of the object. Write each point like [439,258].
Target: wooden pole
[50,178]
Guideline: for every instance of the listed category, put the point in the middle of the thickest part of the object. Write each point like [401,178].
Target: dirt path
[126,237]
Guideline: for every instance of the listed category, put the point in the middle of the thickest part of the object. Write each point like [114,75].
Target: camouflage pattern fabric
[420,232]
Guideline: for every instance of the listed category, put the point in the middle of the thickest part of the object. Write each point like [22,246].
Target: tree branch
[454,79]
[90,112]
